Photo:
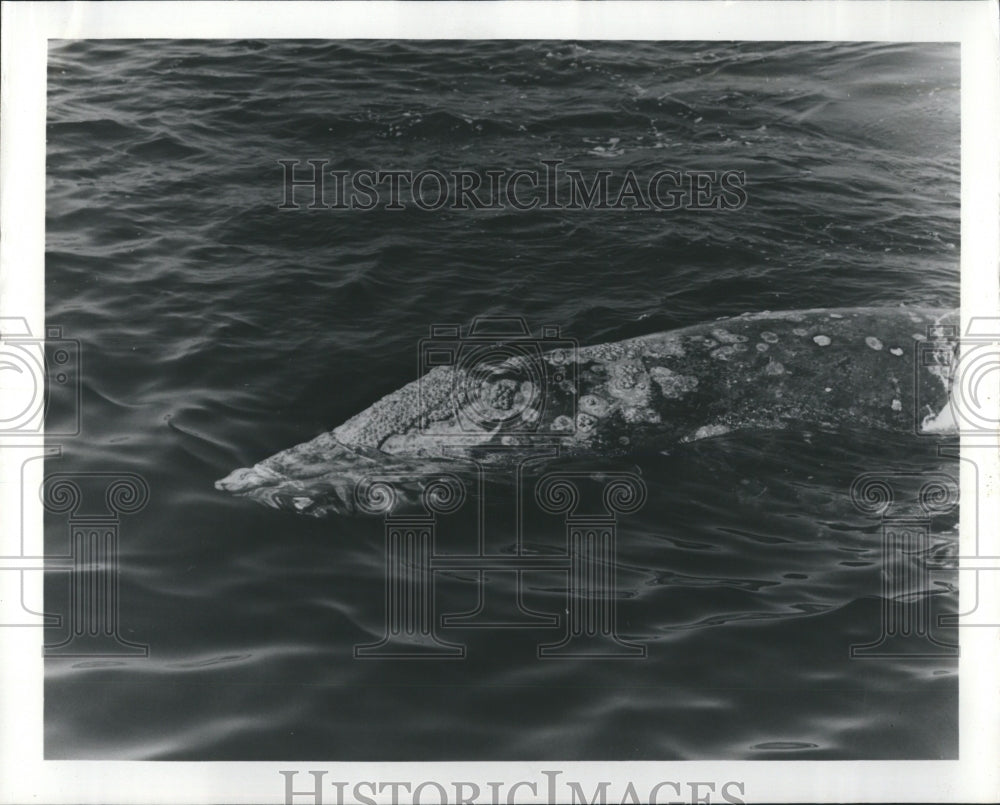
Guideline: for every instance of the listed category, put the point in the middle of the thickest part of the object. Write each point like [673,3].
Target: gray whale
[852,367]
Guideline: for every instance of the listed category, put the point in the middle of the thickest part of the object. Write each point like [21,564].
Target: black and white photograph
[539,400]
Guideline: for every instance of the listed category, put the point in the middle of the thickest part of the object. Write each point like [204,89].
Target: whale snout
[325,477]
[317,497]
[246,478]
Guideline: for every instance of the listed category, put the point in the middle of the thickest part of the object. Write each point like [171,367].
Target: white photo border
[24,774]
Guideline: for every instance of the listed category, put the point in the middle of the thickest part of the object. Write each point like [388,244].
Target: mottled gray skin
[828,368]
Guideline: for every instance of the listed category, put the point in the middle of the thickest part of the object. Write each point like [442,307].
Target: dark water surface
[217,329]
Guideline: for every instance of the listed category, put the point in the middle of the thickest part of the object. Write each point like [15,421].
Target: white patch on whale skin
[822,340]
[634,414]
[896,351]
[662,345]
[629,384]
[496,399]
[726,337]
[942,368]
[672,385]
[706,432]
[724,353]
[562,423]
[873,342]
[594,405]
[426,442]
[559,356]
[941,422]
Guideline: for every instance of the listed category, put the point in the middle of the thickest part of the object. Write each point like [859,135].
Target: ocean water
[216,329]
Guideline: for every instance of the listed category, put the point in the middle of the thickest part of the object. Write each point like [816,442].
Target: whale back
[827,367]
[857,367]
